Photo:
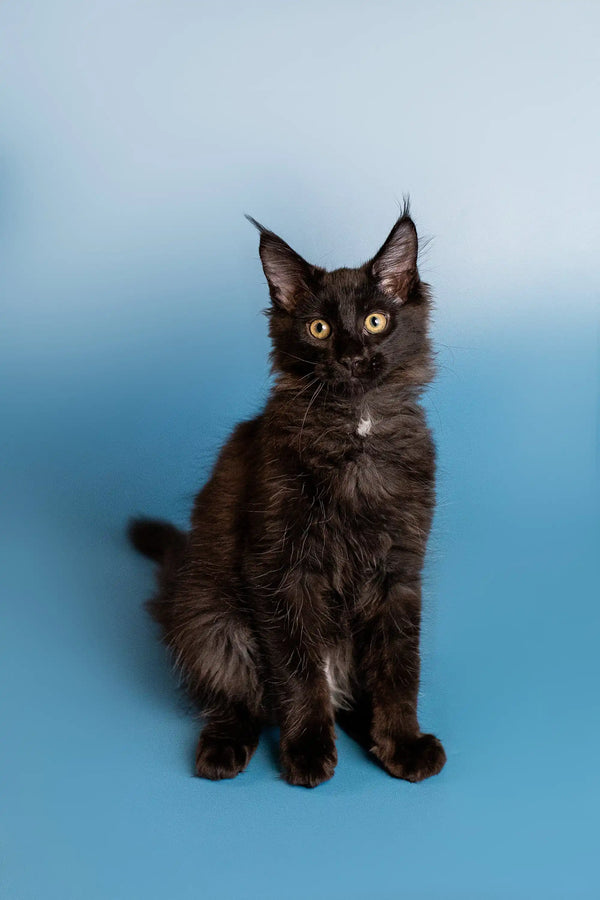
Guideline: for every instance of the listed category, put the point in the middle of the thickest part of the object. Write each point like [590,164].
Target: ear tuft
[256,224]
[286,272]
[395,265]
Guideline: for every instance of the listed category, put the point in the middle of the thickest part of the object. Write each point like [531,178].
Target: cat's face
[350,328]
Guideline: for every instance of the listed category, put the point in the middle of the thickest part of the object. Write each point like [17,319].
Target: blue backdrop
[134,136]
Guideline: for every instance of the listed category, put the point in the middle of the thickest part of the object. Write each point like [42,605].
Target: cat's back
[220,508]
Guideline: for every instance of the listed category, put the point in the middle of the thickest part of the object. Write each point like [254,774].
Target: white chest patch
[364,426]
[337,673]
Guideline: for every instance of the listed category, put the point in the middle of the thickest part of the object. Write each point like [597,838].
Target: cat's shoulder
[242,440]
[247,430]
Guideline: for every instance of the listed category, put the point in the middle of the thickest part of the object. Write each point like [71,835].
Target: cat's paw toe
[308,766]
[218,758]
[412,758]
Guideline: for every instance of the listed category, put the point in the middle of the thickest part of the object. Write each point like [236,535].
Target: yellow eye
[376,322]
[319,329]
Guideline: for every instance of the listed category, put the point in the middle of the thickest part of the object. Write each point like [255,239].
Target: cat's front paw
[220,757]
[308,762]
[411,758]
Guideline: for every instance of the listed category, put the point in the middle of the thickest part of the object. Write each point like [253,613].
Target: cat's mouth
[354,379]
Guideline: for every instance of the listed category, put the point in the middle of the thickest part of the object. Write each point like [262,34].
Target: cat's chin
[355,387]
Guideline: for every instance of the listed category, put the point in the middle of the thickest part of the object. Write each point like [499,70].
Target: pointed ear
[395,266]
[287,274]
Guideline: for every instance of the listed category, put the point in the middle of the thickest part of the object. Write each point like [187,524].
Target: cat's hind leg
[228,740]
[215,651]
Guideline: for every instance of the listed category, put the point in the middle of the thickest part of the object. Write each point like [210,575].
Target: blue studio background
[134,136]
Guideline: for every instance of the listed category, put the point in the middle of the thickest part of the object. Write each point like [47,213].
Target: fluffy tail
[155,539]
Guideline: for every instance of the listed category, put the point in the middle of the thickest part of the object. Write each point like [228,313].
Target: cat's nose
[356,365]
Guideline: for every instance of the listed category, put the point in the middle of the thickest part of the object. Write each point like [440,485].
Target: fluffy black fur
[297,591]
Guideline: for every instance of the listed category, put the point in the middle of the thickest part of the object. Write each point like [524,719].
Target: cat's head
[352,329]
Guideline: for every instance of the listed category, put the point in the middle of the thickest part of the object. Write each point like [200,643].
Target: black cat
[296,594]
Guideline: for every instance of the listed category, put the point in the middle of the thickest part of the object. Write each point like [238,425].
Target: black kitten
[297,592]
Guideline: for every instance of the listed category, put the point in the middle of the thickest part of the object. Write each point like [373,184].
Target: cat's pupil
[375,321]
[319,327]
